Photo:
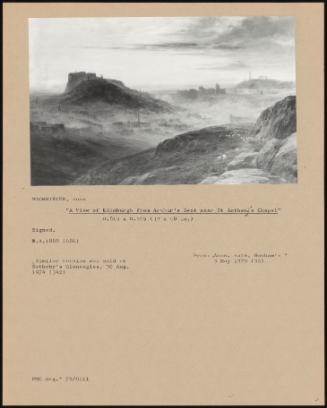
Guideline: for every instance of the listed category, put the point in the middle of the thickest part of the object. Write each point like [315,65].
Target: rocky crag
[271,155]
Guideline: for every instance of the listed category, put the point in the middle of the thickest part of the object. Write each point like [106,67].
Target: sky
[153,53]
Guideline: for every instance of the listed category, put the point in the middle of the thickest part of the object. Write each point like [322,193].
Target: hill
[87,89]
[259,83]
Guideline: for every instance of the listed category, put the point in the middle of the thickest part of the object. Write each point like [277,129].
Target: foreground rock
[244,176]
[279,157]
[267,153]
[285,161]
[243,160]
[275,129]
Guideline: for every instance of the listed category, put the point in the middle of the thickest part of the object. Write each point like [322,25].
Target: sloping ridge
[112,92]
[198,141]
[183,159]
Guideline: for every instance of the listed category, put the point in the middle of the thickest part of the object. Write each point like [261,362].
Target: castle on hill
[75,78]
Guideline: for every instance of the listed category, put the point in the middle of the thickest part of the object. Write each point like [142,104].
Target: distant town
[201,92]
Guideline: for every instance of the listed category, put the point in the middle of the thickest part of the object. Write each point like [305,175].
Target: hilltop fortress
[75,78]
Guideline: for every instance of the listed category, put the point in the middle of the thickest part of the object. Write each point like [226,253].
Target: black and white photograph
[162,100]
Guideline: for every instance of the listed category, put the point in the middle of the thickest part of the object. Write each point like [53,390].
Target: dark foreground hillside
[59,155]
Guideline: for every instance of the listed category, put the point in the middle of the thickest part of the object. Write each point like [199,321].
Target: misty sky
[161,52]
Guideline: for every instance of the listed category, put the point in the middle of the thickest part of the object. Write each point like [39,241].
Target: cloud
[172,45]
[227,47]
[255,31]
[200,28]
[230,34]
[216,33]
[232,66]
[162,50]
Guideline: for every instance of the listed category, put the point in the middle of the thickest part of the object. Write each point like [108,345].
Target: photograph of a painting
[162,100]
